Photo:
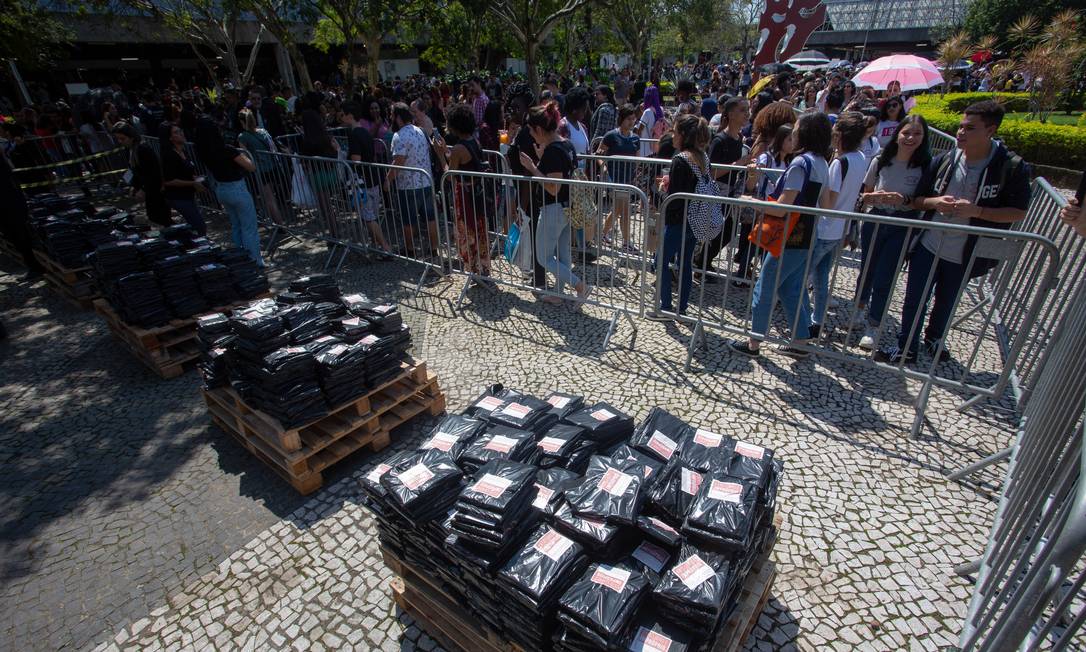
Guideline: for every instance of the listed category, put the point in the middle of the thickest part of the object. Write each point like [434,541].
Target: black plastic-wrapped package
[603,601]
[414,484]
[674,491]
[497,443]
[557,445]
[452,434]
[659,531]
[605,423]
[751,462]
[651,633]
[609,491]
[540,571]
[634,461]
[519,413]
[705,450]
[661,434]
[371,482]
[723,512]
[596,534]
[563,404]
[550,486]
[498,484]
[694,589]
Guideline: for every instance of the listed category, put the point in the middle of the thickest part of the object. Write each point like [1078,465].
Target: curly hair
[460,118]
[769,119]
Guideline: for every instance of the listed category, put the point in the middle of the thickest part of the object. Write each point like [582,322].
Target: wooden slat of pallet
[752,599]
[69,275]
[306,484]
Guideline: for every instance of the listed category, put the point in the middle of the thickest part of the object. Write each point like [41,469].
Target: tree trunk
[531,49]
[300,67]
[372,43]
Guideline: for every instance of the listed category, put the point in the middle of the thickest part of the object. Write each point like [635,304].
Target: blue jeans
[946,284]
[881,253]
[552,243]
[190,212]
[791,268]
[676,245]
[825,251]
[235,198]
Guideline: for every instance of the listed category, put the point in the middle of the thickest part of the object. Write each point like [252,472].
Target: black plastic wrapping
[661,434]
[497,443]
[558,444]
[674,491]
[605,423]
[563,404]
[651,560]
[424,485]
[652,633]
[599,536]
[540,571]
[601,604]
[550,486]
[723,513]
[705,450]
[611,492]
[659,530]
[452,434]
[693,591]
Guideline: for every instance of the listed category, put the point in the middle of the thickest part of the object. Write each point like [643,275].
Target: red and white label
[611,577]
[353,321]
[500,444]
[516,410]
[551,444]
[542,496]
[443,441]
[488,403]
[491,485]
[383,308]
[553,545]
[749,450]
[416,476]
[296,349]
[663,526]
[690,481]
[603,415]
[707,439]
[377,472]
[615,482]
[651,555]
[693,572]
[728,492]
[662,445]
[649,641]
[370,339]
[558,401]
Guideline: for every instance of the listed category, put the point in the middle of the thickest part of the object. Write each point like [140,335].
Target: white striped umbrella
[913,72]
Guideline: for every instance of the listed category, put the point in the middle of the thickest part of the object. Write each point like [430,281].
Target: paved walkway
[127,521]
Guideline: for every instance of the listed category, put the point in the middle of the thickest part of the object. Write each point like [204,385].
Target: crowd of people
[836,147]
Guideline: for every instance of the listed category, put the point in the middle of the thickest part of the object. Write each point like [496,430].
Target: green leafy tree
[631,24]
[461,32]
[530,22]
[361,26]
[31,35]
[286,20]
[996,17]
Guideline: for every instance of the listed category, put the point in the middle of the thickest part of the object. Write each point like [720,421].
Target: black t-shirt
[360,144]
[223,167]
[726,150]
[681,178]
[559,156]
[175,167]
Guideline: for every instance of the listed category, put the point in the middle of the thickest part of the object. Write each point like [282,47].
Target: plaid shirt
[479,107]
[603,120]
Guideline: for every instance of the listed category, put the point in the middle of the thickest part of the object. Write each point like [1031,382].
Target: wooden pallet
[300,454]
[165,349]
[444,620]
[74,285]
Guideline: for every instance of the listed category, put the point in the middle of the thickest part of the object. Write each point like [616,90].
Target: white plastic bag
[300,192]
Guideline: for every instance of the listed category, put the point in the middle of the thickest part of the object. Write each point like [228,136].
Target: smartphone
[1081,189]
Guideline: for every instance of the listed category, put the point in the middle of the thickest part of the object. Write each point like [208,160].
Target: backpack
[706,219]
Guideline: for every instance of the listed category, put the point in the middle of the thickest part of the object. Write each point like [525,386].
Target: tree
[366,22]
[206,24]
[631,23]
[1051,53]
[682,27]
[996,17]
[464,29]
[285,19]
[957,47]
[530,22]
[31,35]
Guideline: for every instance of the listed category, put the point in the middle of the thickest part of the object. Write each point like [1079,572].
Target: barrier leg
[967,569]
[697,340]
[463,293]
[613,326]
[982,464]
[921,409]
[342,259]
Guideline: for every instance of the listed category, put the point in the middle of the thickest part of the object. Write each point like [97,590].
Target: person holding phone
[1074,214]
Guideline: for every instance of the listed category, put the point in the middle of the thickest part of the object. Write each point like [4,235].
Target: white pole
[19,82]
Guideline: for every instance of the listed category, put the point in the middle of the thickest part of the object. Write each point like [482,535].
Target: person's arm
[244,162]
[533,170]
[1074,215]
[1004,215]
[833,188]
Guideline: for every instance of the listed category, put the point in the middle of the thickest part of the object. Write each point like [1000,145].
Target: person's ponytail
[545,116]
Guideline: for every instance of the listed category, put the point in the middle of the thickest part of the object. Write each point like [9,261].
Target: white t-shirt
[648,119]
[578,137]
[847,185]
[412,144]
[870,148]
[885,131]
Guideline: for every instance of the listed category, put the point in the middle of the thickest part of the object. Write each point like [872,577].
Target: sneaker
[793,352]
[607,240]
[658,316]
[867,342]
[743,348]
[814,330]
[631,248]
[894,356]
[931,346]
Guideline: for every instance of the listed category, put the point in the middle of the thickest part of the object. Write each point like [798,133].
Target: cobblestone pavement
[129,522]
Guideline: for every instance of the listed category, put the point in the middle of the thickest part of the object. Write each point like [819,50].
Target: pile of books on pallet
[306,351]
[67,230]
[174,273]
[561,524]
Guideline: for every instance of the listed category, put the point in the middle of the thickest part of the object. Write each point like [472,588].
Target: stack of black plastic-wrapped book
[287,356]
[68,228]
[630,538]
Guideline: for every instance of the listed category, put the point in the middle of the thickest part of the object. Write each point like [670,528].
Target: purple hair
[652,100]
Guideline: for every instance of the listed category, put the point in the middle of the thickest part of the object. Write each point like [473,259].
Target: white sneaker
[867,342]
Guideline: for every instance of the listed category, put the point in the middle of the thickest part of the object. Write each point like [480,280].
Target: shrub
[957,102]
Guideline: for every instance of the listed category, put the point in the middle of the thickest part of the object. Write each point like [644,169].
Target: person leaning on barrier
[621,141]
[726,148]
[259,144]
[414,190]
[146,178]
[784,278]
[980,183]
[361,149]
[557,160]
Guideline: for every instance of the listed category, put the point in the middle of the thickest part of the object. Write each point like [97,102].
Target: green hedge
[957,102]
[1046,144]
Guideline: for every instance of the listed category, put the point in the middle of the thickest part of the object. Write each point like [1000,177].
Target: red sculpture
[785,27]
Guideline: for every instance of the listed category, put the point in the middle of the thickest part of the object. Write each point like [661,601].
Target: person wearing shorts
[360,149]
[622,141]
[414,190]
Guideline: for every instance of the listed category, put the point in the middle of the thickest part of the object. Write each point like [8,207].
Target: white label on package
[443,441]
[353,321]
[542,496]
[729,492]
[691,481]
[558,401]
[354,297]
[707,439]
[663,526]
[370,339]
[517,410]
[615,482]
[377,472]
[337,349]
[500,444]
[693,572]
[603,415]
[491,485]
[649,641]
[749,450]
[651,555]
[488,403]
[553,545]
[611,577]
[416,476]
[551,444]
[663,445]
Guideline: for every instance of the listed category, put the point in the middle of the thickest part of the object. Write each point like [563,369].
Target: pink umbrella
[913,72]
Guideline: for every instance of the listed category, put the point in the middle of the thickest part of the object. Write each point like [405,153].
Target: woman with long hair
[470,196]
[766,123]
[653,113]
[890,114]
[889,187]
[146,173]
[259,144]
[228,166]
[557,160]
[783,278]
[179,182]
[322,175]
[809,101]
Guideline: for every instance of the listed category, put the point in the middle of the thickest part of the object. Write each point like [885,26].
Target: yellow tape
[69,161]
[53,182]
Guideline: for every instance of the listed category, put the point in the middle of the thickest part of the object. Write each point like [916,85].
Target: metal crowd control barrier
[207,201]
[730,309]
[557,258]
[1028,592]
[69,160]
[940,141]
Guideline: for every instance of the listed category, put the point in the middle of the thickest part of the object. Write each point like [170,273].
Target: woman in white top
[892,112]
[572,126]
[653,113]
